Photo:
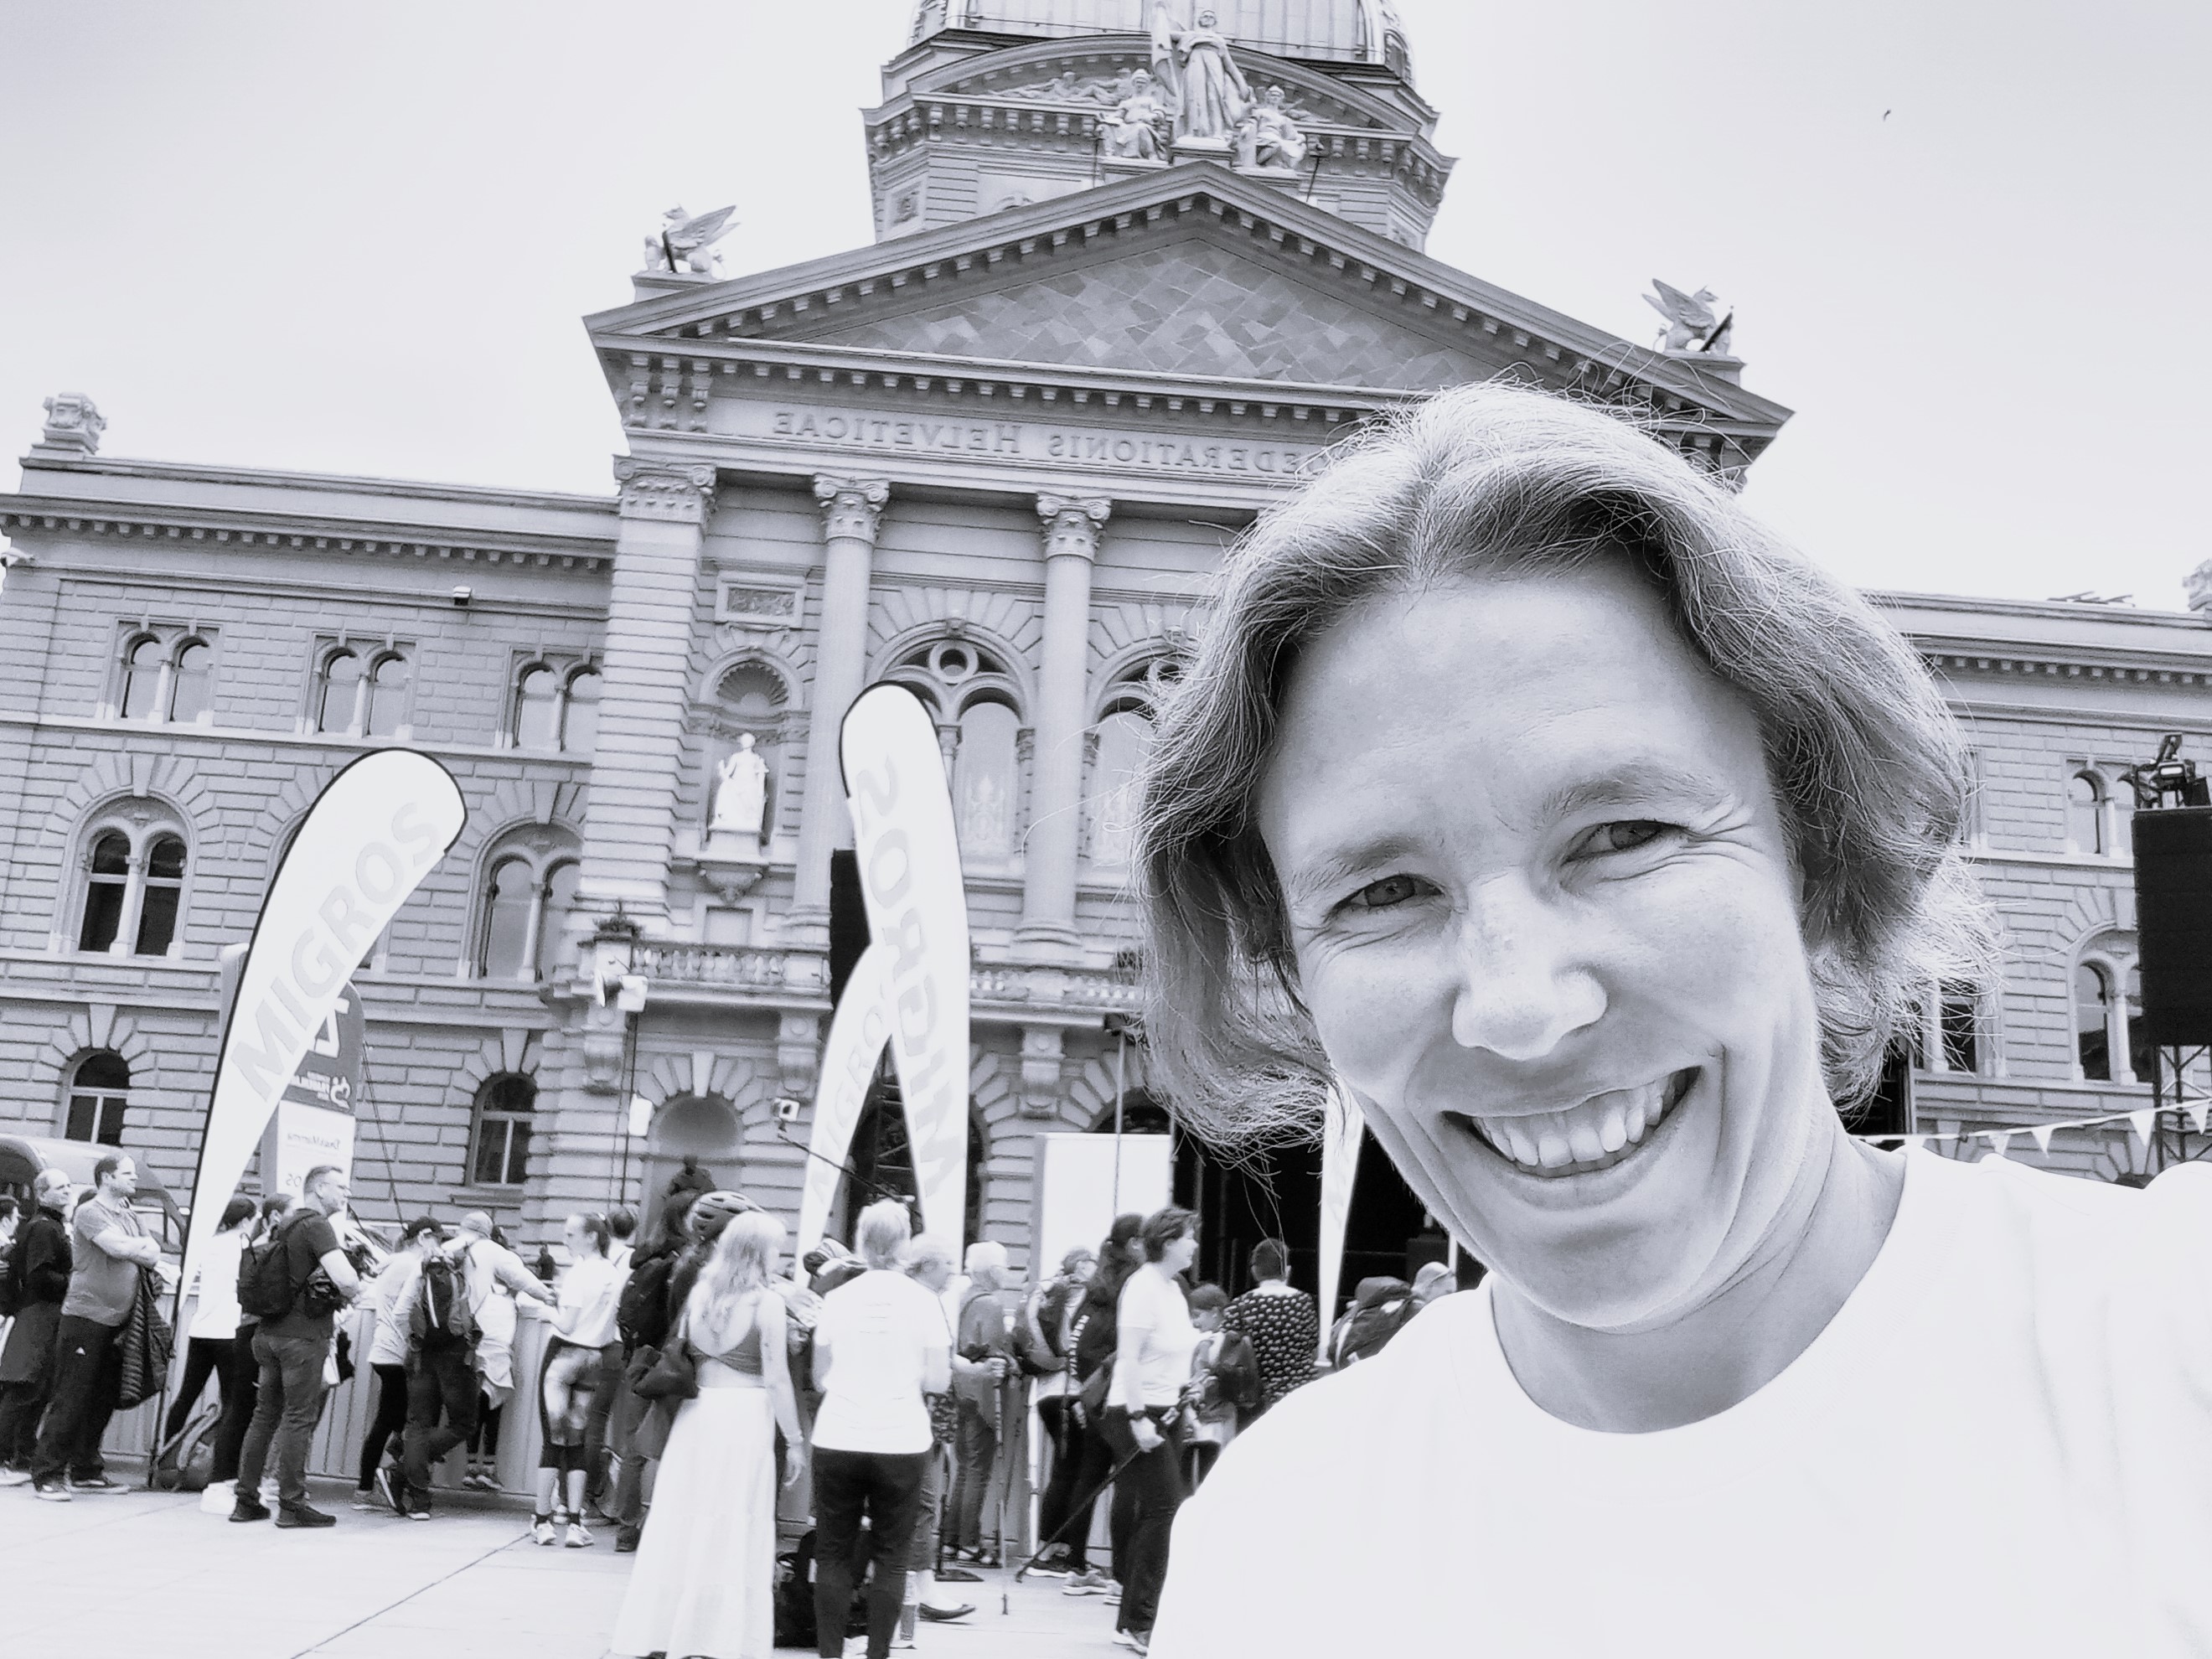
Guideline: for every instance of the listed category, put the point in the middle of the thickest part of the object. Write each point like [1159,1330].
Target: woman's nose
[1521,989]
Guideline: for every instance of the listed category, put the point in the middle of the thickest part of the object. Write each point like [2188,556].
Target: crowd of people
[695,1391]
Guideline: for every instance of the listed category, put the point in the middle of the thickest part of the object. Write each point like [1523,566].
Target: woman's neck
[1721,1352]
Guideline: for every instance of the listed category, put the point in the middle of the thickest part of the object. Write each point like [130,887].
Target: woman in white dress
[704,1584]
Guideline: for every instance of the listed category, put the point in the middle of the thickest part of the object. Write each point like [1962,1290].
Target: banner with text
[917,905]
[858,1032]
[370,837]
[314,1123]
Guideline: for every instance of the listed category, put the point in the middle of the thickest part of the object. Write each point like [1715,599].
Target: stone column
[852,512]
[637,762]
[1049,854]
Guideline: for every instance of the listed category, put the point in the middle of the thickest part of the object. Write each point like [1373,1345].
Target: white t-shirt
[589,1291]
[1152,1305]
[215,1315]
[2002,1444]
[878,1328]
[392,1298]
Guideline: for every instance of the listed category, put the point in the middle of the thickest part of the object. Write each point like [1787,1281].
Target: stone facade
[998,458]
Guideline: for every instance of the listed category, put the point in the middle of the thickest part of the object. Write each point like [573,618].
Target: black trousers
[442,1381]
[21,1405]
[87,1380]
[1154,1490]
[205,1356]
[1056,1515]
[242,1390]
[389,1426]
[888,1488]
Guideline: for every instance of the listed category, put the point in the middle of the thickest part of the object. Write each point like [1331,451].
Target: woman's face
[936,1273]
[1545,921]
[578,1237]
[1182,1251]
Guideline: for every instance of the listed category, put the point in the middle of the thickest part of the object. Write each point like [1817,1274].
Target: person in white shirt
[390,1296]
[576,1355]
[880,1345]
[211,1338]
[1597,847]
[1144,1422]
[495,1277]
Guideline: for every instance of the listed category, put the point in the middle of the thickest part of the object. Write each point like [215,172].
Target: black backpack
[1233,1377]
[266,1290]
[641,1316]
[794,1600]
[1381,1310]
[11,1281]
[441,1316]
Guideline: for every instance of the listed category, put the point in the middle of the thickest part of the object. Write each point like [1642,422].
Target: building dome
[1343,31]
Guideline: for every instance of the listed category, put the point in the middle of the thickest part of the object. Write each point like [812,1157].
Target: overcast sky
[1967,241]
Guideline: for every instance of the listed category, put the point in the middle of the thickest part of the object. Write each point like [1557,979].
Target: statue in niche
[1133,130]
[1268,137]
[740,793]
[1208,92]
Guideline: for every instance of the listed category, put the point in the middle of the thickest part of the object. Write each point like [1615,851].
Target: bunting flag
[2000,1143]
[2144,1122]
[1343,1128]
[378,828]
[2199,1112]
[2043,1132]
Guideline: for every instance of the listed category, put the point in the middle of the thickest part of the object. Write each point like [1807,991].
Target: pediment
[1192,271]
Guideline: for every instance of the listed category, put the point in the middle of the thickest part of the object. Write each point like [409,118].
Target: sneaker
[391,1490]
[14,1477]
[1092,1582]
[248,1507]
[303,1514]
[479,1481]
[368,1499]
[217,1496]
[541,1530]
[1136,1639]
[945,1615]
[54,1491]
[626,1539]
[580,1537]
[98,1483]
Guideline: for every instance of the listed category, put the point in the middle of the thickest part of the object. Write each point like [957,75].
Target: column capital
[851,508]
[672,492]
[1072,524]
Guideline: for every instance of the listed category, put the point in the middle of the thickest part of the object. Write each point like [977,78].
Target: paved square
[151,1573]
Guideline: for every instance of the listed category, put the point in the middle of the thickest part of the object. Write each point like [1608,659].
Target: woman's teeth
[1595,1134]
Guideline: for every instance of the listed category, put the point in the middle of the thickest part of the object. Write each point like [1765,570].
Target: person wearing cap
[495,1277]
[390,1295]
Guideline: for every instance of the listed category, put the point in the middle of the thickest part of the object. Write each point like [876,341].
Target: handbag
[671,1374]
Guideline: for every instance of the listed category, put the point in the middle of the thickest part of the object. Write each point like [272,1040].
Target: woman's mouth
[1595,1134]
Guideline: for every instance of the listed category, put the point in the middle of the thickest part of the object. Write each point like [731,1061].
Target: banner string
[2143,1120]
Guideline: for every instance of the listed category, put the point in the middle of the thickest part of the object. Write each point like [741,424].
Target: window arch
[530,885]
[142,678]
[191,685]
[167,676]
[2100,815]
[1117,749]
[133,890]
[987,778]
[384,695]
[362,691]
[98,1098]
[557,706]
[977,702]
[2109,1039]
[498,1139]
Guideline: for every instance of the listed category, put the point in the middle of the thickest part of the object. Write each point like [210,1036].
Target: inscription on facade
[1030,441]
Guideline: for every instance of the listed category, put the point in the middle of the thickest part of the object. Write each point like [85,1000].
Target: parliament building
[996,456]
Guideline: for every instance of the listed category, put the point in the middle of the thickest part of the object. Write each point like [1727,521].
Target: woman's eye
[1624,836]
[1383,894]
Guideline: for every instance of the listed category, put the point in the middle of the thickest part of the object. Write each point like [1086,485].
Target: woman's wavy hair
[1493,479]
[744,1261]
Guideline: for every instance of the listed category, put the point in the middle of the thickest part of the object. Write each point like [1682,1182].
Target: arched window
[985,778]
[388,695]
[530,886]
[2093,1020]
[538,709]
[98,1096]
[143,662]
[107,890]
[501,1153]
[2085,813]
[338,693]
[580,714]
[192,690]
[163,897]
[1125,737]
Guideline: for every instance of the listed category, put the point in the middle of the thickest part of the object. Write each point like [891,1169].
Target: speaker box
[848,921]
[2173,923]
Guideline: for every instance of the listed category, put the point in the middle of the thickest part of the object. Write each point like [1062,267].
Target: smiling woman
[1598,844]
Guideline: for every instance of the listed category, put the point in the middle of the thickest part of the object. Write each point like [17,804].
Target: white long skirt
[704,1581]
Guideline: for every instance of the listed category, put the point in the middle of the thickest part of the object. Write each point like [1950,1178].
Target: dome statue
[1345,31]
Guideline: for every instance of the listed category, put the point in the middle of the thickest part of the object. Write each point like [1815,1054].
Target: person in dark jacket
[1097,1332]
[39,1269]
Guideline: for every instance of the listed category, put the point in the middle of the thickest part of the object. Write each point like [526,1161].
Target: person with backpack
[36,1286]
[642,1318]
[496,1276]
[391,1298]
[244,1392]
[438,1319]
[1224,1382]
[985,1337]
[1283,1324]
[1093,1336]
[293,1283]
[1379,1310]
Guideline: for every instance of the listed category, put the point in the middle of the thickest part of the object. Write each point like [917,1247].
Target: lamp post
[614,962]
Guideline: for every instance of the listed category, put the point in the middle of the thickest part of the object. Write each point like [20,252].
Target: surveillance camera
[462,596]
[786,1109]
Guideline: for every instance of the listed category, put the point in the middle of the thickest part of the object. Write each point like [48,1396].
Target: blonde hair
[930,1249]
[884,1231]
[744,1261]
[1491,479]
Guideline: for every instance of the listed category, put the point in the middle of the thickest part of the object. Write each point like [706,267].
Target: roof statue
[1206,92]
[1267,137]
[1137,129]
[1692,325]
[73,427]
[683,243]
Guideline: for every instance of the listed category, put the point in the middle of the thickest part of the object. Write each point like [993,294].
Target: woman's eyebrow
[1318,876]
[1645,785]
